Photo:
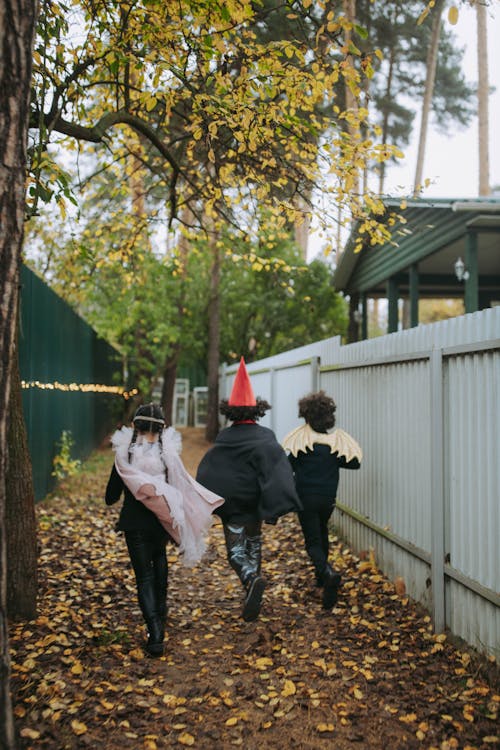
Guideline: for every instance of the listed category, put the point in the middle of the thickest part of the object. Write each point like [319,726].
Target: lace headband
[148,419]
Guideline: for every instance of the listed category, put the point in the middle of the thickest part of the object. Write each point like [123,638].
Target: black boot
[149,608]
[255,589]
[331,584]
[161,583]
[254,552]
[237,555]
[156,630]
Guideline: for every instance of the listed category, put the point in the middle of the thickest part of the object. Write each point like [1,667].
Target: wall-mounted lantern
[460,271]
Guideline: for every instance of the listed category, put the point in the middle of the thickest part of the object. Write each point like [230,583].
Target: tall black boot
[254,552]
[331,585]
[156,631]
[255,589]
[161,586]
[237,555]
[255,584]
[148,605]
[246,563]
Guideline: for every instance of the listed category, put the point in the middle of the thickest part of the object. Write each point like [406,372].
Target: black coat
[317,471]
[250,470]
[134,515]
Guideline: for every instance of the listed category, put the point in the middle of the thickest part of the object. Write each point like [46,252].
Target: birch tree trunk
[385,122]
[349,9]
[302,228]
[17,26]
[431,65]
[482,100]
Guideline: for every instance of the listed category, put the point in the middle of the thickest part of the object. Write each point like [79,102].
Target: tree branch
[96,133]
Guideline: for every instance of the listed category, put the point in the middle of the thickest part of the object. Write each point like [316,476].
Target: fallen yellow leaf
[232,721]
[468,712]
[289,688]
[173,700]
[364,566]
[78,727]
[136,654]
[186,739]
[408,718]
[31,734]
[263,662]
[323,727]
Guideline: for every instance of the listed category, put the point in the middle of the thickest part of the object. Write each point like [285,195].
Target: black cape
[250,470]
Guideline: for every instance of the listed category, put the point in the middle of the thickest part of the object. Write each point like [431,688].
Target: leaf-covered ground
[369,674]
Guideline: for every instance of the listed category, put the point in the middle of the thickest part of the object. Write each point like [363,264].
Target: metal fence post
[272,385]
[314,374]
[437,490]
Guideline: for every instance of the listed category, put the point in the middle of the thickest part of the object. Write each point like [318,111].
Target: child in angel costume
[249,468]
[316,456]
[162,502]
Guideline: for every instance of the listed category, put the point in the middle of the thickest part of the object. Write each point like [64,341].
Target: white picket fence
[425,406]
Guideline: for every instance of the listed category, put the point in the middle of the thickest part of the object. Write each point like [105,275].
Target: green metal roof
[433,237]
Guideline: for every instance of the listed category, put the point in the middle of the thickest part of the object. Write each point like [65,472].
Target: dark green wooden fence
[59,350]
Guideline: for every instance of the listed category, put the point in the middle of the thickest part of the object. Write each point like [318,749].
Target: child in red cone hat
[250,470]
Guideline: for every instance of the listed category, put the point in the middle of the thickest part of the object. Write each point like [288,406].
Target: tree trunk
[351,102]
[20,519]
[172,362]
[302,226]
[431,65]
[482,100]
[17,27]
[212,427]
[167,391]
[349,8]
[385,121]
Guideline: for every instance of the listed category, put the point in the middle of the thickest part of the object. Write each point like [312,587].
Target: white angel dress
[182,505]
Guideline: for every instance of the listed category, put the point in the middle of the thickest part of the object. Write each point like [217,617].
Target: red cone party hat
[242,393]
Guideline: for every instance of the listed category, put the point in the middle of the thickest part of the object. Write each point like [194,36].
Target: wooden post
[413,295]
[364,318]
[472,282]
[392,299]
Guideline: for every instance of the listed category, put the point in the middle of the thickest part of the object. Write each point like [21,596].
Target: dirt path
[369,674]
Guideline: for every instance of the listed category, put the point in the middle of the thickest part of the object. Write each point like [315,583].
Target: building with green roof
[448,248]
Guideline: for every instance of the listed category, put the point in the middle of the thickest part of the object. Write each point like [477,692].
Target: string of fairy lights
[81,387]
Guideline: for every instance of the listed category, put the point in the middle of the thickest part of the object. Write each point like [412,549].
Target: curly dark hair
[318,410]
[242,413]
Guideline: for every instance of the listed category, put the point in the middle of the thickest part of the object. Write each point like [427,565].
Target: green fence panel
[57,346]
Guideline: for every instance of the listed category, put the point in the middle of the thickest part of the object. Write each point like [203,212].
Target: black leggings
[147,550]
[314,522]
